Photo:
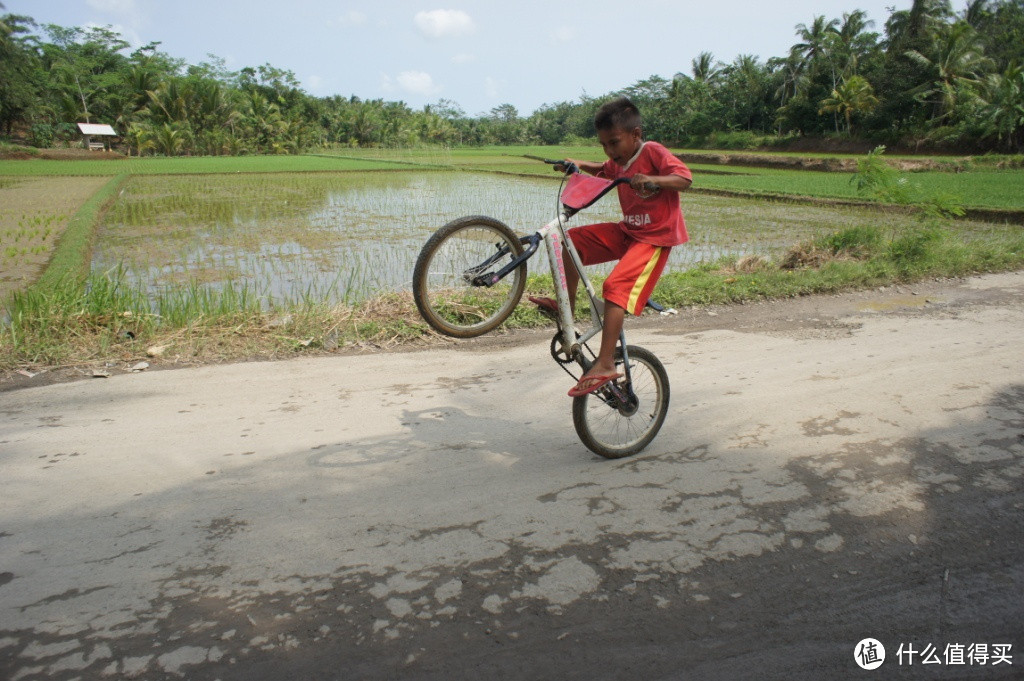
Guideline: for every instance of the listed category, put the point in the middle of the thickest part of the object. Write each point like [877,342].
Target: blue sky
[478,54]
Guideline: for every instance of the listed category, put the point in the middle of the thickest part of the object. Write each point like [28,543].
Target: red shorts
[640,265]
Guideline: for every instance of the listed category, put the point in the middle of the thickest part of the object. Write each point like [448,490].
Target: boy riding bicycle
[652,224]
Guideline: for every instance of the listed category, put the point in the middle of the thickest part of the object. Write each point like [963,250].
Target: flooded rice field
[342,237]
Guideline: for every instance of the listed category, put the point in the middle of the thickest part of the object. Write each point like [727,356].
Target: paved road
[832,469]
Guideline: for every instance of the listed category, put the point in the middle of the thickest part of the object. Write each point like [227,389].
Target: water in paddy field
[347,236]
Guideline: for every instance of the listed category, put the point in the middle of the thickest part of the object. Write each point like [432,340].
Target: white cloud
[445,23]
[417,83]
[314,82]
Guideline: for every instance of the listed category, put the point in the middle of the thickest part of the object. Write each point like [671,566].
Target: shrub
[41,135]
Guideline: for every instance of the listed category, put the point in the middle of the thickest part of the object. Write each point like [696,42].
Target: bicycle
[470,276]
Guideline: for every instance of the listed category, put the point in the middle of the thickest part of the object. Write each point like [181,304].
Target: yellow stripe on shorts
[641,281]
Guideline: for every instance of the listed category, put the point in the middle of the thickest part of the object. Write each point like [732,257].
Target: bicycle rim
[441,282]
[612,432]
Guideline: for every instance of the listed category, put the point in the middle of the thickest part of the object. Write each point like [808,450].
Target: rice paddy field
[347,226]
[292,238]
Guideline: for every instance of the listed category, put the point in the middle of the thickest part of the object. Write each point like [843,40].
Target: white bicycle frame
[556,241]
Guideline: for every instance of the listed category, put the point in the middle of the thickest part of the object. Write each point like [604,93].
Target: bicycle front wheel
[443,280]
[615,430]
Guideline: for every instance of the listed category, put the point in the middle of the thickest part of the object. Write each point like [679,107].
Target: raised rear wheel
[446,279]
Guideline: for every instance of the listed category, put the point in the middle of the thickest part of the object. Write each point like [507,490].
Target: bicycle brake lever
[570,168]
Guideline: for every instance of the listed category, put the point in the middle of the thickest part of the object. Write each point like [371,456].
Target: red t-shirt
[657,220]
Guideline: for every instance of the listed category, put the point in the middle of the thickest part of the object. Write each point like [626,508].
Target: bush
[41,135]
[856,242]
[916,248]
[739,140]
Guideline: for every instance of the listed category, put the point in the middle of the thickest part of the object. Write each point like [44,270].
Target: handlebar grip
[570,168]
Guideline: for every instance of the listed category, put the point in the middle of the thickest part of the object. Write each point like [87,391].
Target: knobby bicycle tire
[444,296]
[607,430]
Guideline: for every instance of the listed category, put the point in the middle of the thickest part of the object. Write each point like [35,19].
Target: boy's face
[620,145]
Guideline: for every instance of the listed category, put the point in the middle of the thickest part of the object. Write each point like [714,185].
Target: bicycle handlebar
[571,169]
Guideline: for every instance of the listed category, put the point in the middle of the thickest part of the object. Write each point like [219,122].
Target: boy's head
[620,129]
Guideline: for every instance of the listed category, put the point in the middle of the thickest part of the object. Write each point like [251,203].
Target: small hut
[97,130]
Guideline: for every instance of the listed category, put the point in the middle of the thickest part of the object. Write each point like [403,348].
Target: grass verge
[109,321]
[70,262]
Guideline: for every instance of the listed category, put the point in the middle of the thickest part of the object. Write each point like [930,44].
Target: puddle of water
[346,236]
[897,303]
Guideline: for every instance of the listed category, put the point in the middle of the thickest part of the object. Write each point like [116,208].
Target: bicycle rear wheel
[615,430]
[442,283]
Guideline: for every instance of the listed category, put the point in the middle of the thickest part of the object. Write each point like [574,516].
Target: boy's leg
[627,288]
[614,318]
[596,243]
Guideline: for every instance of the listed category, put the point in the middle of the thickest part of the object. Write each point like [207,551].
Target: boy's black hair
[619,113]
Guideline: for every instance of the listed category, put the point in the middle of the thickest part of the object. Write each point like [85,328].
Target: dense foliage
[929,79]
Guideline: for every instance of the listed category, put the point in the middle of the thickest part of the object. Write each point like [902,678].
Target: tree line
[929,78]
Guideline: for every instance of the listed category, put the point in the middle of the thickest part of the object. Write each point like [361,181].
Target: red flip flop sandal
[589,384]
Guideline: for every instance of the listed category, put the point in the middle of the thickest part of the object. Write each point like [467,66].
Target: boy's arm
[676,183]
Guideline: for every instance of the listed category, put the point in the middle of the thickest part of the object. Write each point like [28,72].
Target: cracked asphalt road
[832,469]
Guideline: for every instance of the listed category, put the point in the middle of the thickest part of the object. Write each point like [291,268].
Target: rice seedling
[343,237]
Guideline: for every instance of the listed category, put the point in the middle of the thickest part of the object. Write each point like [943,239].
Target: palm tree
[956,61]
[911,29]
[976,12]
[815,40]
[851,42]
[169,139]
[854,95]
[705,70]
[1003,110]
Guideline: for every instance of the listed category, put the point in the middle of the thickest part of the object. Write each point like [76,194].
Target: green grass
[189,165]
[846,260]
[70,261]
[62,320]
[110,319]
[980,186]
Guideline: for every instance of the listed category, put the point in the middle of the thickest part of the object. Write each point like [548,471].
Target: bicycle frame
[556,242]
[471,274]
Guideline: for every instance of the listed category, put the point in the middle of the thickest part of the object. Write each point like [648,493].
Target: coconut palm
[169,139]
[955,61]
[705,69]
[912,29]
[816,38]
[852,42]
[1003,110]
[853,96]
